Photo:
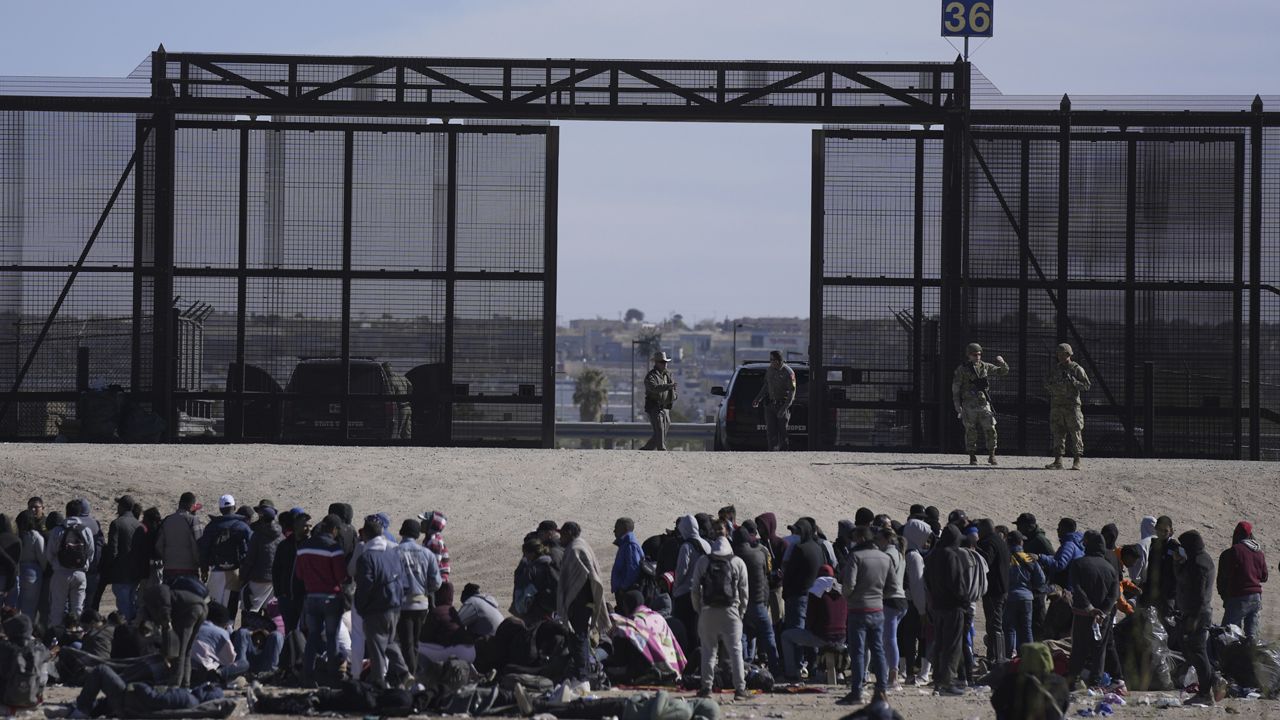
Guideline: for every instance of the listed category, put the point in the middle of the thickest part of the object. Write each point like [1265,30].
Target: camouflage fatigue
[974,405]
[1064,384]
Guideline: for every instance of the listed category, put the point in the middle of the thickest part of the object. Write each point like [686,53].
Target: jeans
[1195,639]
[866,631]
[1017,622]
[892,618]
[126,599]
[30,581]
[993,613]
[758,626]
[797,608]
[105,680]
[1243,612]
[251,659]
[792,640]
[322,612]
[580,639]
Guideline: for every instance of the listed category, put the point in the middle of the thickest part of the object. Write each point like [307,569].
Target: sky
[704,220]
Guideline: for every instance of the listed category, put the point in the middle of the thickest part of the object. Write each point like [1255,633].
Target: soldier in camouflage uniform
[969,392]
[1064,384]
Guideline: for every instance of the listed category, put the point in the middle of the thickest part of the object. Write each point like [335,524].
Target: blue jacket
[1055,568]
[626,565]
[220,530]
[420,574]
[379,583]
[1025,578]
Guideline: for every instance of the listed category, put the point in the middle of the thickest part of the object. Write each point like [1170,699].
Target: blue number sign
[966,18]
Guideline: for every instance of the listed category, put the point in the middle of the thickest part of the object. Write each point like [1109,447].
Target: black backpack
[224,551]
[73,552]
[718,586]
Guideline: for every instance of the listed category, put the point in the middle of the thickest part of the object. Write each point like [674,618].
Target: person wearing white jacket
[719,589]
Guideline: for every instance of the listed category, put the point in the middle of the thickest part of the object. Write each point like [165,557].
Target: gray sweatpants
[67,590]
[721,629]
[380,646]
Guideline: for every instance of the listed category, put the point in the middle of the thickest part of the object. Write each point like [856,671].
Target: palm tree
[590,394]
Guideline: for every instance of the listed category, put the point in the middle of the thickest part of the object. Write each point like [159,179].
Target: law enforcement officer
[780,390]
[659,396]
[970,391]
[1065,382]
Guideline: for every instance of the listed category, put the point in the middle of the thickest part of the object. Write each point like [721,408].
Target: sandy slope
[492,497]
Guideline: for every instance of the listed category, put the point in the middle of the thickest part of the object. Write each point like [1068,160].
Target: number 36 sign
[966,18]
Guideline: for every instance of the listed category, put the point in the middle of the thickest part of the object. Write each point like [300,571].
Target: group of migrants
[364,620]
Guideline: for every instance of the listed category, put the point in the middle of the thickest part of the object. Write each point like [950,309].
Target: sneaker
[853,698]
[973,459]
[1203,699]
[950,691]
[740,695]
[522,700]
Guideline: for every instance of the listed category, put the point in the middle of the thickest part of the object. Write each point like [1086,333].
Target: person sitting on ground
[212,653]
[825,622]
[479,612]
[644,650]
[1032,691]
[24,666]
[443,634]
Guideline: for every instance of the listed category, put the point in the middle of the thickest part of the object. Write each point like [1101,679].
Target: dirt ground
[493,497]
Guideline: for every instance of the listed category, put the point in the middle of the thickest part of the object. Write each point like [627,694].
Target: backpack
[24,675]
[224,551]
[970,574]
[73,552]
[718,586]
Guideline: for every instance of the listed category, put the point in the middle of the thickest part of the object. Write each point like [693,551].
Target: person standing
[379,595]
[120,564]
[421,580]
[757,625]
[580,602]
[995,551]
[720,589]
[867,577]
[223,546]
[322,568]
[1065,382]
[255,569]
[659,396]
[626,563]
[943,576]
[1025,582]
[779,391]
[895,599]
[70,553]
[32,564]
[1095,586]
[970,392]
[1242,570]
[177,543]
[1195,592]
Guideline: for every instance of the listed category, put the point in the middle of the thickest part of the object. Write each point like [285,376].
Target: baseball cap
[1025,518]
[226,501]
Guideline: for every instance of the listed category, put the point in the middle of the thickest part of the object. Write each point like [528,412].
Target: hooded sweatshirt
[805,560]
[1094,581]
[691,548]
[828,611]
[1055,568]
[1242,568]
[1026,577]
[767,526]
[1195,576]
[756,558]
[1147,531]
[844,541]
[996,552]
[479,613]
[737,572]
[916,532]
[942,572]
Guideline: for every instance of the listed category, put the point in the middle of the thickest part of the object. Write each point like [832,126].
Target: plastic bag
[1266,667]
[1144,651]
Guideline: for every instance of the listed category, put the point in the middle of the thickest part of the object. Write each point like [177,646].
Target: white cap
[226,501]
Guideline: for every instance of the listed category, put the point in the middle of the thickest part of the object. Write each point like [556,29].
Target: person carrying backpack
[24,667]
[223,546]
[719,594]
[70,552]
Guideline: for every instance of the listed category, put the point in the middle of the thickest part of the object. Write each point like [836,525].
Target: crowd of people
[365,619]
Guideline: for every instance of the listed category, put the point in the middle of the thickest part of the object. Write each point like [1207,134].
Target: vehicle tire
[716,445]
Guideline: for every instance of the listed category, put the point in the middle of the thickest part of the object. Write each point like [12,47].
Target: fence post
[1149,407]
[1255,282]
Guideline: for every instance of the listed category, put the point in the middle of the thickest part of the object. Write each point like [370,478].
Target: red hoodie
[1242,568]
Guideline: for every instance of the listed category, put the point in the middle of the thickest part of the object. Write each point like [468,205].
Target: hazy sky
[703,220]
